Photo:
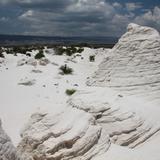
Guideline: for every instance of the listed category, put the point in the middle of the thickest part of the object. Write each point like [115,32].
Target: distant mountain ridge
[27,40]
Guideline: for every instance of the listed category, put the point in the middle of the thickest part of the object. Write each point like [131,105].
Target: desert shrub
[1,55]
[80,50]
[59,50]
[9,50]
[28,54]
[92,58]
[69,92]
[65,70]
[69,51]
[19,49]
[39,55]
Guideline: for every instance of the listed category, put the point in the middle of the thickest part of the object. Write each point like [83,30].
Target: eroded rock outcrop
[124,126]
[72,134]
[133,65]
[7,150]
[93,119]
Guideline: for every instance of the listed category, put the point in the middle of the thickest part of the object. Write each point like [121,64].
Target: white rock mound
[97,117]
[133,65]
[72,134]
[124,126]
[7,150]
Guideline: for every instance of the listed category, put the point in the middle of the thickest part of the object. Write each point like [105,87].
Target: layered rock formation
[133,65]
[7,150]
[93,119]
[72,134]
[123,126]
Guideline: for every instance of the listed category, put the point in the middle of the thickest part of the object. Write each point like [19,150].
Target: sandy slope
[18,102]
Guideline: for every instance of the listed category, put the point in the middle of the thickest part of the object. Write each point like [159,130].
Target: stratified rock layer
[123,126]
[72,134]
[93,119]
[133,65]
[7,150]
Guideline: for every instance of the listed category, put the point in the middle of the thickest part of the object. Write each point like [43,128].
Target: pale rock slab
[7,150]
[123,126]
[72,134]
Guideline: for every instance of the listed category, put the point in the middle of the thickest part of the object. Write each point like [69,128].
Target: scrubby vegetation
[92,58]
[80,50]
[39,55]
[59,50]
[65,70]
[69,51]
[1,55]
[70,92]
[22,49]
[18,49]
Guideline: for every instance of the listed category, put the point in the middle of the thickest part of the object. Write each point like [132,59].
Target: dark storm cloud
[38,4]
[75,17]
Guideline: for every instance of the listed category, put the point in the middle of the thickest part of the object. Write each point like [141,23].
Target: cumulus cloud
[75,17]
[117,5]
[150,18]
[3,19]
[83,17]
[133,6]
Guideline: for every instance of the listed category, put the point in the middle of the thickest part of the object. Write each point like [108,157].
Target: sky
[76,17]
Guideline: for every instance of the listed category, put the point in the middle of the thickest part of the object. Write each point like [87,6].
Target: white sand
[18,102]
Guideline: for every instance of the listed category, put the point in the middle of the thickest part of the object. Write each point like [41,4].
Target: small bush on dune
[92,58]
[16,49]
[9,50]
[70,92]
[80,50]
[28,54]
[59,50]
[69,51]
[1,55]
[65,70]
[19,49]
[39,55]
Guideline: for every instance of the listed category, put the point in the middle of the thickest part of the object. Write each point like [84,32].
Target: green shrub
[19,49]
[9,50]
[28,54]
[59,50]
[69,51]
[80,50]
[39,55]
[92,58]
[69,92]
[1,55]
[65,70]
